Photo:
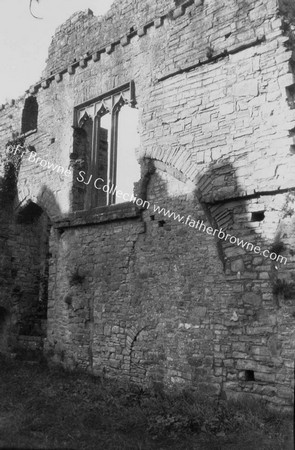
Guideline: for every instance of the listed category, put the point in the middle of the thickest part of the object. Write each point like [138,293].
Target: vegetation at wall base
[46,407]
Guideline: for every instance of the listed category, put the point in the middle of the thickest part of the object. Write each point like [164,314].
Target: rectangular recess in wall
[249,375]
[257,216]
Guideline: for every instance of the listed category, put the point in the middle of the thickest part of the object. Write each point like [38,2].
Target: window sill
[27,134]
[103,214]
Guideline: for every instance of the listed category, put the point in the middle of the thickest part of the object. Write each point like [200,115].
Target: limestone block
[237,266]
[141,31]
[125,41]
[96,56]
[158,22]
[45,84]
[83,63]
[33,89]
[71,70]
[109,49]
[286,80]
[247,88]
[178,12]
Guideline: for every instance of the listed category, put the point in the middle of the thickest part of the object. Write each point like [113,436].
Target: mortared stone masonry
[124,291]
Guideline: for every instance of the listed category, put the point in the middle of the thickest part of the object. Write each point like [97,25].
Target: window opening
[110,122]
[30,115]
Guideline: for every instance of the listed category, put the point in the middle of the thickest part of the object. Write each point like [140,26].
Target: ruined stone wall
[24,247]
[138,295]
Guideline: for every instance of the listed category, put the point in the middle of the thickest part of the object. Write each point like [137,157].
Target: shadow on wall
[266,221]
[24,260]
[254,315]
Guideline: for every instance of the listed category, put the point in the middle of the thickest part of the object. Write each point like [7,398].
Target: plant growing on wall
[76,277]
[282,287]
[11,163]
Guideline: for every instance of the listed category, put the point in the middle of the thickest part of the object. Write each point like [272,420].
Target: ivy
[11,161]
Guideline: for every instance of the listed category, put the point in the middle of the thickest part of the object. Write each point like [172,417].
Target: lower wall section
[159,302]
[23,276]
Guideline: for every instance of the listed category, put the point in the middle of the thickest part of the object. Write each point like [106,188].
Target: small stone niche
[257,216]
[249,375]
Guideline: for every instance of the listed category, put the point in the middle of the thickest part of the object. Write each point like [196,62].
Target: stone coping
[98,215]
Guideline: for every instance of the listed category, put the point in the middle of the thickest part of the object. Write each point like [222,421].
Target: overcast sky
[24,41]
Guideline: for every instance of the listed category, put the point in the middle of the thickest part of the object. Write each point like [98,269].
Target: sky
[24,41]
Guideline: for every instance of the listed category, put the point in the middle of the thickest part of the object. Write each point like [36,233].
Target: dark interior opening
[3,316]
[29,214]
[4,319]
[30,115]
[34,224]
[249,375]
[257,216]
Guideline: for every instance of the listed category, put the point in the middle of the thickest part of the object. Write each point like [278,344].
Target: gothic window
[110,122]
[30,115]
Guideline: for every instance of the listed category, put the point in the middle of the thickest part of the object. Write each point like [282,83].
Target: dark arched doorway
[4,329]
[31,282]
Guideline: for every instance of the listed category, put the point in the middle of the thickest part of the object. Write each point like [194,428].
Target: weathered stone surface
[134,293]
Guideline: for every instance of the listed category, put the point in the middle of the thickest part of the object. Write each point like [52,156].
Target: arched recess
[42,197]
[204,187]
[178,159]
[32,226]
[4,329]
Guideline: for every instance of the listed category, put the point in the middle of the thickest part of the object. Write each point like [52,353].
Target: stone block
[178,12]
[96,56]
[83,63]
[237,266]
[247,88]
[158,22]
[45,84]
[71,70]
[286,80]
[252,299]
[109,49]
[58,77]
[33,90]
[125,41]
[141,31]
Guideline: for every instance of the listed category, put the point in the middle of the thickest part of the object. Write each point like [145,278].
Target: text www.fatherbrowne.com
[186,220]
[220,233]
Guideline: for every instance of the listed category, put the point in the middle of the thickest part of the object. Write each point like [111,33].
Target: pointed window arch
[113,166]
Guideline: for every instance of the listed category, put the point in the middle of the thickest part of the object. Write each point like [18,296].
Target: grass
[47,408]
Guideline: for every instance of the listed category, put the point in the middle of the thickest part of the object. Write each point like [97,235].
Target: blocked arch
[178,160]
[203,176]
[203,186]
[44,200]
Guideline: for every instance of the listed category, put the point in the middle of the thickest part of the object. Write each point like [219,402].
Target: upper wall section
[197,103]
[217,25]
[85,33]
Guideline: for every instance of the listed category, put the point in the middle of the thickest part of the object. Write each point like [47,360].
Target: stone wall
[133,293]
